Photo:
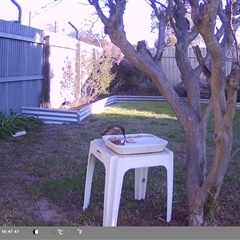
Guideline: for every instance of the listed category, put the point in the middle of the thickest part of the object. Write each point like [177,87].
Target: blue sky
[136,18]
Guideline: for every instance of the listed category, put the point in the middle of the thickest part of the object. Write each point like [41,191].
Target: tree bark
[205,197]
[195,167]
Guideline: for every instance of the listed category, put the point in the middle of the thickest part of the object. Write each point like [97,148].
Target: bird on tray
[115,129]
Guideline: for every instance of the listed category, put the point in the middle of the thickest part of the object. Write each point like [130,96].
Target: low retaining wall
[67,116]
[52,115]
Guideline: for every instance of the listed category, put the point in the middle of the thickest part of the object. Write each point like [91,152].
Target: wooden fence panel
[169,64]
[170,68]
[21,55]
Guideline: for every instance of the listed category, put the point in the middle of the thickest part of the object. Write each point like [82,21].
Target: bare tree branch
[233,84]
[163,15]
[207,113]
[100,13]
[201,61]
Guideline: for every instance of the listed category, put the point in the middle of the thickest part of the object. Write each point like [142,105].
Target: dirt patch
[47,213]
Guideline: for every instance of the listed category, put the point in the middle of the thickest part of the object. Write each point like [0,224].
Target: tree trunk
[195,168]
[202,196]
[205,197]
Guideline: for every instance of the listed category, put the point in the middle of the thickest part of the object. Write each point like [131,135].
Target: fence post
[77,72]
[46,74]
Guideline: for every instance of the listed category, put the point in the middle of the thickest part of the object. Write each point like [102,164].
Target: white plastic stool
[116,166]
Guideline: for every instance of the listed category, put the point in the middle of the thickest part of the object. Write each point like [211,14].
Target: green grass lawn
[42,174]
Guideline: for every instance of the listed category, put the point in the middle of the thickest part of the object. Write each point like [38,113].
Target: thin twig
[234,154]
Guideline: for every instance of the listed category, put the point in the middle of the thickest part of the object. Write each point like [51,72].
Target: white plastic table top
[116,165]
[103,153]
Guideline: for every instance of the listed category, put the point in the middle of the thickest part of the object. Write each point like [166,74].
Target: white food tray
[135,143]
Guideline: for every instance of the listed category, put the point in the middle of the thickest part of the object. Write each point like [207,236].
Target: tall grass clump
[10,124]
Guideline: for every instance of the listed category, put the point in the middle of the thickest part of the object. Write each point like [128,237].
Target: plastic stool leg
[141,175]
[112,198]
[169,189]
[88,181]
[108,193]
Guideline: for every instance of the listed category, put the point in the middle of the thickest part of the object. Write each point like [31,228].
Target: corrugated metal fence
[21,54]
[67,116]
